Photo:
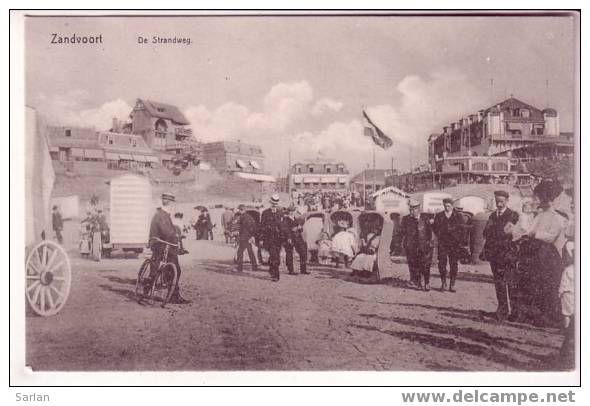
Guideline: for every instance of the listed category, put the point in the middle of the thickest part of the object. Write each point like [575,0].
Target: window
[500,167]
[110,140]
[524,113]
[328,169]
[310,169]
[68,133]
[479,166]
[133,142]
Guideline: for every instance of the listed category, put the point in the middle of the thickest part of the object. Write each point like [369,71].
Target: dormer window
[160,109]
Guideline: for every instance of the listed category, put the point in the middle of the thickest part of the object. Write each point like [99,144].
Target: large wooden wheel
[48,278]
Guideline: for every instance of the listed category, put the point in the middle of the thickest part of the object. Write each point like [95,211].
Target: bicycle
[160,286]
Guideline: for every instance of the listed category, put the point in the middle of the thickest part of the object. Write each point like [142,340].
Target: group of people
[328,200]
[278,230]
[526,251]
[94,230]
[202,224]
[530,253]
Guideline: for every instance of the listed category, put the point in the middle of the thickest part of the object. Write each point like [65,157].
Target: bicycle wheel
[141,289]
[163,285]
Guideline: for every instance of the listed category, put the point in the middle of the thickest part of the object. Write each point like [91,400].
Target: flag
[371,130]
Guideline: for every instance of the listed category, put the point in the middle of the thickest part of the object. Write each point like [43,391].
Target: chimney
[115,126]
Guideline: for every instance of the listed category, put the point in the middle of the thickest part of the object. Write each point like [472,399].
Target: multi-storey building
[319,174]
[238,159]
[496,141]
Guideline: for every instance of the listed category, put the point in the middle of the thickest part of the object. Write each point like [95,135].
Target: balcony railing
[183,132]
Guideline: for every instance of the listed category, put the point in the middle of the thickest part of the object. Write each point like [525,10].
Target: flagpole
[374,174]
[364,186]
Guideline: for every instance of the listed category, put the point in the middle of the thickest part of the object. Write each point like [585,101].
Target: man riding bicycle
[162,228]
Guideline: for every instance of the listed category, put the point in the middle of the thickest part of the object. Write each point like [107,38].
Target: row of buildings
[156,138]
[493,143]
[496,142]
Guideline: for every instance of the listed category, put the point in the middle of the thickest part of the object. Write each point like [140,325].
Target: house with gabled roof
[161,125]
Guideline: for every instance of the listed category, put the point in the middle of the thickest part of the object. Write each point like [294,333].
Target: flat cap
[501,193]
[447,200]
[168,196]
[413,203]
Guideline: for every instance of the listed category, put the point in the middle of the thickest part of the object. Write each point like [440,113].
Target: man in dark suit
[416,232]
[292,229]
[247,231]
[162,228]
[271,235]
[57,224]
[499,251]
[448,227]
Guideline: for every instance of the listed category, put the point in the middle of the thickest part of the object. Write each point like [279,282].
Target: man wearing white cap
[271,235]
[163,229]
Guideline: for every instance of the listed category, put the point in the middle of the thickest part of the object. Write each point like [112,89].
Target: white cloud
[65,110]
[325,105]
[288,112]
[425,105]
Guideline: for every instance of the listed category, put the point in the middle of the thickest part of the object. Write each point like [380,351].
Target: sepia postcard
[298,192]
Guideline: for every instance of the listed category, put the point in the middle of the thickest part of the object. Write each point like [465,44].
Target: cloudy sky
[300,83]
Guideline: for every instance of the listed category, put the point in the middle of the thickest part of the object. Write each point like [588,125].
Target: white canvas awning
[296,179]
[342,180]
[53,149]
[127,157]
[111,156]
[151,158]
[94,153]
[311,180]
[255,164]
[256,176]
[328,180]
[77,152]
[139,158]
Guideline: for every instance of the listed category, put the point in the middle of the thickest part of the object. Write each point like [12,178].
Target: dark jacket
[270,227]
[56,219]
[247,227]
[449,231]
[499,244]
[416,234]
[162,228]
[291,229]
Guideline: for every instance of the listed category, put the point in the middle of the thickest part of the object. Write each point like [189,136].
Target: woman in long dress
[540,264]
